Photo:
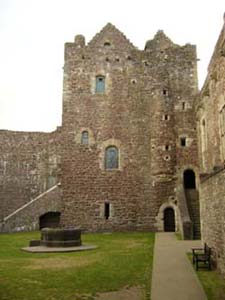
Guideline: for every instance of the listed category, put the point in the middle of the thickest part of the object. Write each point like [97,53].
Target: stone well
[56,237]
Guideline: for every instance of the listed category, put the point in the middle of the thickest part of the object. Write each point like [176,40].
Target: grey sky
[33,33]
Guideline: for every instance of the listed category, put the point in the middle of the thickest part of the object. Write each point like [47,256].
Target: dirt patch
[131,293]
[59,263]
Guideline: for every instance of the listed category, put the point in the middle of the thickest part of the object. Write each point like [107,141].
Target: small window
[100,84]
[107,44]
[111,158]
[183,141]
[107,210]
[166,117]
[167,147]
[165,92]
[107,59]
[183,105]
[85,138]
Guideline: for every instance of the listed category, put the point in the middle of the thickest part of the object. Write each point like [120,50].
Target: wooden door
[169,220]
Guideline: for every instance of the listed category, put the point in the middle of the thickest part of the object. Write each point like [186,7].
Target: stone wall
[26,218]
[213,220]
[211,129]
[29,165]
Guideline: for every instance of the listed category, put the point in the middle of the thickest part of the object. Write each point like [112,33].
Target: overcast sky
[33,33]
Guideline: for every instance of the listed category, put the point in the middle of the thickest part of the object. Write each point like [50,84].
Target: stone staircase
[192,198]
[26,218]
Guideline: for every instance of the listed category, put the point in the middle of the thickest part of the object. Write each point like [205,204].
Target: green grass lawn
[212,282]
[121,259]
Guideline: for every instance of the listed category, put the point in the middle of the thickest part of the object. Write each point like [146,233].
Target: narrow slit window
[85,138]
[107,210]
[183,105]
[183,141]
[100,84]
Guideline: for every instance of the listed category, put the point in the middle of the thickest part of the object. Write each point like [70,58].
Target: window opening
[107,44]
[183,141]
[111,158]
[100,84]
[85,138]
[107,210]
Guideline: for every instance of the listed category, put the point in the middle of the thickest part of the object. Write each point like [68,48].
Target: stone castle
[139,149]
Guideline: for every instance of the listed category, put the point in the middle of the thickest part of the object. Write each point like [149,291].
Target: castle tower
[120,160]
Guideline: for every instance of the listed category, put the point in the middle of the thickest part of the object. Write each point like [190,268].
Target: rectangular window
[107,210]
[100,84]
[183,141]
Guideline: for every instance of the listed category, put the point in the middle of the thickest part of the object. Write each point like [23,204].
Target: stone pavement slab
[173,276]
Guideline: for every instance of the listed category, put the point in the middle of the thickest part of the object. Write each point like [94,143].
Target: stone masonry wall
[137,113]
[27,217]
[211,128]
[29,165]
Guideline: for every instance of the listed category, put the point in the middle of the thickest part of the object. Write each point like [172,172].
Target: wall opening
[84,138]
[107,210]
[189,179]
[169,220]
[111,158]
[100,84]
[183,141]
[165,92]
[50,219]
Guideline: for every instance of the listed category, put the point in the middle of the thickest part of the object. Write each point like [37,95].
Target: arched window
[85,138]
[100,84]
[111,158]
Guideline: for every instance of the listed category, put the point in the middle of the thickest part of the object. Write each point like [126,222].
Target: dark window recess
[107,210]
[100,84]
[183,141]
[107,44]
[165,92]
[111,158]
[107,59]
[183,105]
[84,138]
[167,147]
[166,117]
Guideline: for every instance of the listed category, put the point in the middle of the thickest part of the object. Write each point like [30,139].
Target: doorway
[169,220]
[49,220]
[189,179]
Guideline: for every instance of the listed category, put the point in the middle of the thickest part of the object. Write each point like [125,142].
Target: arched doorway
[169,220]
[49,220]
[189,179]
[192,200]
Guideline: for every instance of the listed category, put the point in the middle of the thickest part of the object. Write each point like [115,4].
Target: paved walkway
[173,276]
